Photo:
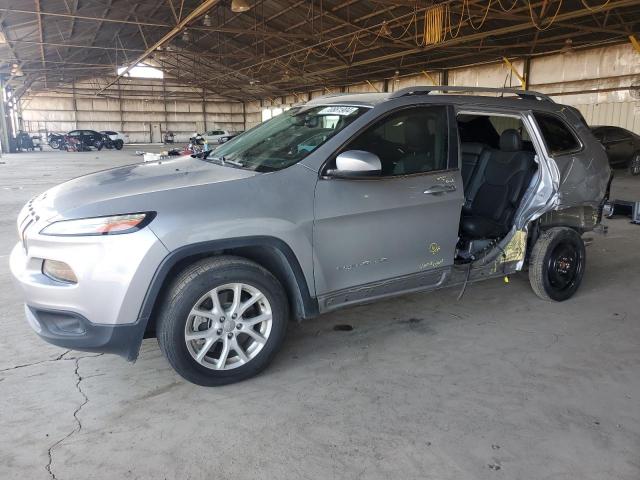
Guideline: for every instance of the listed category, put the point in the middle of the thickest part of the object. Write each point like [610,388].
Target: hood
[133,180]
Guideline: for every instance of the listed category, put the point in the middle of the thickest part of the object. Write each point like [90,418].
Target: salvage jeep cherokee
[343,200]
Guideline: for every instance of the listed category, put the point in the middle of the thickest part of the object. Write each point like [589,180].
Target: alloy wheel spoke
[217,308]
[255,298]
[239,351]
[205,348]
[250,322]
[199,312]
[237,293]
[199,335]
[255,335]
[222,360]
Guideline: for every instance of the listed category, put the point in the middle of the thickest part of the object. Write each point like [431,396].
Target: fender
[305,306]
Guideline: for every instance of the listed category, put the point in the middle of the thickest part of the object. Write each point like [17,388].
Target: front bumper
[73,331]
[101,311]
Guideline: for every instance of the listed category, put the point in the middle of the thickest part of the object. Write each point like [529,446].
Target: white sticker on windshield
[337,110]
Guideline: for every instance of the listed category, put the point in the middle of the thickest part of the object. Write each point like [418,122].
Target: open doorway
[498,165]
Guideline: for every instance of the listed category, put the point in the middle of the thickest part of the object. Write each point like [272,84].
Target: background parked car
[226,138]
[118,138]
[622,146]
[89,138]
[213,136]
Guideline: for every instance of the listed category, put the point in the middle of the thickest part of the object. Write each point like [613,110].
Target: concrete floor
[499,385]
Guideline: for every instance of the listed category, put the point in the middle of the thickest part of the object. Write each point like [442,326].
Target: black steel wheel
[557,264]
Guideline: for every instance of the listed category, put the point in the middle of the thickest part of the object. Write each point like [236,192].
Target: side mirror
[357,163]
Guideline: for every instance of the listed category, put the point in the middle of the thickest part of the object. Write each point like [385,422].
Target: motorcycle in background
[197,144]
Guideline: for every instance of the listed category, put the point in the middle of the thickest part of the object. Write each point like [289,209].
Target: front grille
[27,218]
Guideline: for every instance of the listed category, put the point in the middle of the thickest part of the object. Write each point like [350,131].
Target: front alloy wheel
[228,326]
[223,320]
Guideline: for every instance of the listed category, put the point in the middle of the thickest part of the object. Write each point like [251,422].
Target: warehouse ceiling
[282,47]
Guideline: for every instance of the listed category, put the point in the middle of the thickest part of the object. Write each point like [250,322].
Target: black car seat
[501,186]
[474,159]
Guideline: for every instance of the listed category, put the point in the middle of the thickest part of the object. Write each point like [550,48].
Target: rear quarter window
[557,135]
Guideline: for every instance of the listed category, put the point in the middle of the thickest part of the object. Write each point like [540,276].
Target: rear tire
[557,264]
[634,164]
[195,343]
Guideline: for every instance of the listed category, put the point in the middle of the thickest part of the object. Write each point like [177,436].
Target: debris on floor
[343,328]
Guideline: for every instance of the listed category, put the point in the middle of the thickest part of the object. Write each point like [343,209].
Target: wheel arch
[270,252]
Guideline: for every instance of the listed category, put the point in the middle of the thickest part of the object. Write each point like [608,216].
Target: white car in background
[214,136]
[118,138]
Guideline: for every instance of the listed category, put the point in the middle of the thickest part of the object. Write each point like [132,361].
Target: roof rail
[528,94]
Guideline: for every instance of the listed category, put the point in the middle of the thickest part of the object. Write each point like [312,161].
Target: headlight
[113,225]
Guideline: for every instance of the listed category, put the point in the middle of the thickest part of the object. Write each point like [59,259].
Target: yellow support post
[430,77]
[635,43]
[372,86]
[523,81]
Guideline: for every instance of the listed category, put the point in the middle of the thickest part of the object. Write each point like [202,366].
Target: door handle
[437,189]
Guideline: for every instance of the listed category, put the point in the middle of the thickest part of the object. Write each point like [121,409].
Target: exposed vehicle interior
[498,164]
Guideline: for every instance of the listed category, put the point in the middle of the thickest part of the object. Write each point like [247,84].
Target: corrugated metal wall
[138,107]
[601,77]
[596,81]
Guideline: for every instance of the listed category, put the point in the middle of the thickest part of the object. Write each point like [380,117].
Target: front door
[399,231]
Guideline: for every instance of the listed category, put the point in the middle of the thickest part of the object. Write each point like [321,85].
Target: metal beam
[461,39]
[41,36]
[175,31]
[84,17]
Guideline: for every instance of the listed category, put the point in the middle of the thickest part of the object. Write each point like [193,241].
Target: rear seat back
[475,157]
[471,153]
[497,187]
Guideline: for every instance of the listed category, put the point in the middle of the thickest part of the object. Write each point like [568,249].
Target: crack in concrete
[59,357]
[78,427]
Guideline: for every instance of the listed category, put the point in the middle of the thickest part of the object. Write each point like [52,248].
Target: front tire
[118,144]
[634,164]
[557,264]
[223,321]
[55,144]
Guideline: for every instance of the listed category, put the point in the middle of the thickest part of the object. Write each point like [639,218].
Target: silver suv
[340,201]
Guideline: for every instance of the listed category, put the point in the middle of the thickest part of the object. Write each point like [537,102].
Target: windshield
[286,139]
